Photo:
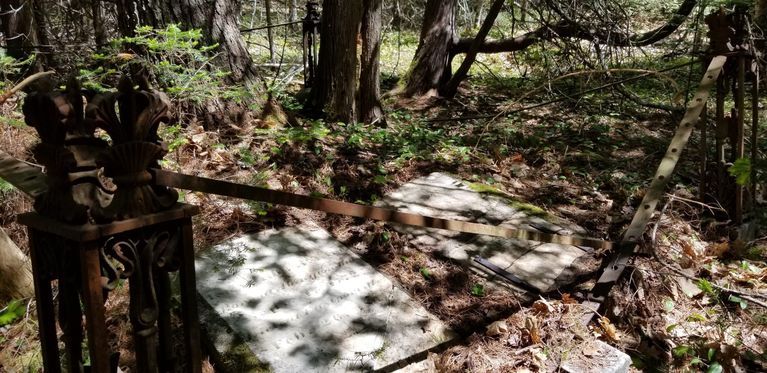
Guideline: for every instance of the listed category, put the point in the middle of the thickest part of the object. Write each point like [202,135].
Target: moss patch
[530,209]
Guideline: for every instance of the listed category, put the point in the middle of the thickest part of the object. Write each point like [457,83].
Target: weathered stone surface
[302,302]
[596,357]
[544,266]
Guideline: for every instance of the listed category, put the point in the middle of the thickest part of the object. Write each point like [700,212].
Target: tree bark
[127,17]
[218,20]
[98,24]
[269,32]
[431,64]
[225,30]
[336,83]
[292,14]
[46,56]
[370,71]
[16,20]
[451,87]
[15,270]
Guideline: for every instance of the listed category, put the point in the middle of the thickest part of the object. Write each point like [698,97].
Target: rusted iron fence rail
[212,186]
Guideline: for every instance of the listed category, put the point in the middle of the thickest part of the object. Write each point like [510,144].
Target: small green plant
[707,287]
[173,136]
[247,159]
[741,170]
[425,273]
[12,312]
[740,301]
[5,187]
[478,290]
[10,66]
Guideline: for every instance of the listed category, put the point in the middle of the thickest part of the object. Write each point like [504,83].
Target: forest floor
[587,160]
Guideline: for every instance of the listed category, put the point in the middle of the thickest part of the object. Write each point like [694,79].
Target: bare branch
[569,29]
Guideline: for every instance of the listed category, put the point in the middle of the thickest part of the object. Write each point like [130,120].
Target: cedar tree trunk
[16,21]
[336,83]
[98,24]
[224,28]
[452,86]
[431,64]
[370,71]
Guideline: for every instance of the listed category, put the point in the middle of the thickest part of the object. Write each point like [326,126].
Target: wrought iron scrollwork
[144,261]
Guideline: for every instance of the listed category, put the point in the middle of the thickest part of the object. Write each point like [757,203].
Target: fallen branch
[569,29]
[23,84]
[644,73]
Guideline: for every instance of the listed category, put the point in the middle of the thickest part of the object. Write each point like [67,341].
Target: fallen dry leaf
[542,306]
[568,299]
[717,249]
[688,250]
[608,329]
[531,324]
[497,328]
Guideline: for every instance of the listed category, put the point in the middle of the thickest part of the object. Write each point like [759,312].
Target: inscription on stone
[305,303]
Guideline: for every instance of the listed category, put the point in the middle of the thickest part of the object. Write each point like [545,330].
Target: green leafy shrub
[10,66]
[742,170]
[176,61]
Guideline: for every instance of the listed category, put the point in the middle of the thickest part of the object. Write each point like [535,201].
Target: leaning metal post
[311,27]
[89,235]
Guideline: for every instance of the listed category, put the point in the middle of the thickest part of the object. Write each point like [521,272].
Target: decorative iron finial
[135,147]
[68,149]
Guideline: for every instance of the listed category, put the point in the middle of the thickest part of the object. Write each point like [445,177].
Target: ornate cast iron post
[89,235]
[729,35]
[311,29]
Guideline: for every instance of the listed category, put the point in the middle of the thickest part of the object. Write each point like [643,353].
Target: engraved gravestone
[302,302]
[544,266]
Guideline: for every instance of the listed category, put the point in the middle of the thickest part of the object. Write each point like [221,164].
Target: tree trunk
[225,30]
[98,24]
[370,71]
[269,33]
[451,87]
[15,270]
[46,57]
[218,20]
[127,17]
[431,64]
[292,15]
[335,87]
[16,20]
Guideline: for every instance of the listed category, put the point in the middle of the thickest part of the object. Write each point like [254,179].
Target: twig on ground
[745,295]
[751,297]
[23,84]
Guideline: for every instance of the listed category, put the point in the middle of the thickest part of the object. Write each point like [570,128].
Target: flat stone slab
[302,302]
[544,266]
[596,357]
